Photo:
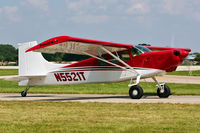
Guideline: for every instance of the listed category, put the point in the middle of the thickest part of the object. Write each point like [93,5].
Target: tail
[33,63]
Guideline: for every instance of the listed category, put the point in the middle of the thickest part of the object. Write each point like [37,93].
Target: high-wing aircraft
[109,62]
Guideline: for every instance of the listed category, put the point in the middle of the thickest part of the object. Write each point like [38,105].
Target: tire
[23,93]
[136,92]
[164,94]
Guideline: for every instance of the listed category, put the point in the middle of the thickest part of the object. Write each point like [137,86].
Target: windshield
[143,49]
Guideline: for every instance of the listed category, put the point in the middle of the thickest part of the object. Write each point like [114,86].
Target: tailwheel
[135,92]
[164,91]
[24,93]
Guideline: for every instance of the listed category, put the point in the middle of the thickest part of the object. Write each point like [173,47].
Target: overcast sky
[156,22]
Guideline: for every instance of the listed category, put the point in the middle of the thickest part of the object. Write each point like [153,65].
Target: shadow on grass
[19,96]
[86,98]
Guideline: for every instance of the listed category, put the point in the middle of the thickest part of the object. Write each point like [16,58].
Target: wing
[166,48]
[75,45]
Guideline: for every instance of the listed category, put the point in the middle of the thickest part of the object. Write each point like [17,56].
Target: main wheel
[136,92]
[164,94]
[23,93]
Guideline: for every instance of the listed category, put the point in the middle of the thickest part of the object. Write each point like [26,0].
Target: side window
[124,56]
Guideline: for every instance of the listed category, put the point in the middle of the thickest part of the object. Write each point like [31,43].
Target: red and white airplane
[109,62]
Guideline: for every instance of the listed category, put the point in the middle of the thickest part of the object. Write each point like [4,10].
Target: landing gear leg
[24,93]
[135,91]
[163,90]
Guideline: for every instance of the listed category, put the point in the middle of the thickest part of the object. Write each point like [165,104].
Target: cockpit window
[143,49]
[137,50]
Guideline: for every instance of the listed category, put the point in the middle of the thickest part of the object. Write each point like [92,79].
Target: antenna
[172,40]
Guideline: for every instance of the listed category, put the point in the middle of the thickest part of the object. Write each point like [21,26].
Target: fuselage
[92,70]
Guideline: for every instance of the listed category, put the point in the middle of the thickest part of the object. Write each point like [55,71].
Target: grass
[98,117]
[101,88]
[5,72]
[30,116]
[185,73]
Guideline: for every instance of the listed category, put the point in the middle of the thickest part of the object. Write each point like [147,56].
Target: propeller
[183,54]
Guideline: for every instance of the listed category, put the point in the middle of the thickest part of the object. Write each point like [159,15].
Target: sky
[173,23]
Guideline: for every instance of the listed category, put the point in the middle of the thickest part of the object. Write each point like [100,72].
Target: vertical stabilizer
[31,63]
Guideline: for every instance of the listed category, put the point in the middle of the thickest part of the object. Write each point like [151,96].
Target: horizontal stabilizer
[21,78]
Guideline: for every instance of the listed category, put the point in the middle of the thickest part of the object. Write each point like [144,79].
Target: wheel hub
[162,90]
[135,92]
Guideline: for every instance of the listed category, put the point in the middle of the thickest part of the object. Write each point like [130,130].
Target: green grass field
[101,88]
[5,72]
[32,116]
[185,73]
[98,117]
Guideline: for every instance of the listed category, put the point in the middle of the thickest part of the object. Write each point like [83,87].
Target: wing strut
[105,61]
[131,69]
[117,58]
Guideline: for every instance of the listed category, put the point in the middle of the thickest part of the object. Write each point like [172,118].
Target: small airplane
[109,62]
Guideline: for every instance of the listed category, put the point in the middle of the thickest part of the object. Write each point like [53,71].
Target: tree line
[8,53]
